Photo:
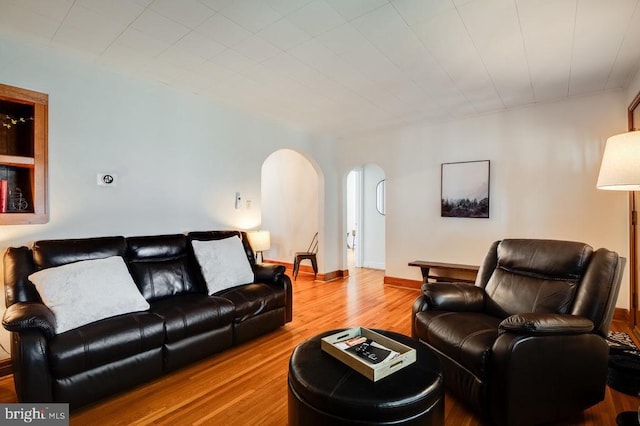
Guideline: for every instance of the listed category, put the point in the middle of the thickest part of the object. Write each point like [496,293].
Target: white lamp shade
[260,240]
[620,167]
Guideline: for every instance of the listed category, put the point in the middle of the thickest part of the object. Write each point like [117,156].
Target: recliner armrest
[453,297]
[545,324]
[268,273]
[22,316]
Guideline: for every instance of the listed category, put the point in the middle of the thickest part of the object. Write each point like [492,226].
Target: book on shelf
[4,194]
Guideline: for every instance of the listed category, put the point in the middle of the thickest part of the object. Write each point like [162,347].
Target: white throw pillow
[224,263]
[90,290]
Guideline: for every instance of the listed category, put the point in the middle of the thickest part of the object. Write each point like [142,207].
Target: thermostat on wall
[107,179]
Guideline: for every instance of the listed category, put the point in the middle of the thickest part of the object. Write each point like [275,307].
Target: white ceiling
[344,66]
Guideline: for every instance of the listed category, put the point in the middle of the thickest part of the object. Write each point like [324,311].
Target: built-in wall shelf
[23,156]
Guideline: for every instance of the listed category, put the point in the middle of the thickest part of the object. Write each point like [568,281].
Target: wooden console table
[439,271]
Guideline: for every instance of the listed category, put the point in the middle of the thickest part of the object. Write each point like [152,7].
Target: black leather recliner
[527,343]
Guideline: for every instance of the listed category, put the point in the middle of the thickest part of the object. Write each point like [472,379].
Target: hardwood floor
[247,385]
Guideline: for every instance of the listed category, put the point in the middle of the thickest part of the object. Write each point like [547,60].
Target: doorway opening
[365,217]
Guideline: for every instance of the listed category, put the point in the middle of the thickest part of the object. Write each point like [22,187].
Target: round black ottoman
[324,391]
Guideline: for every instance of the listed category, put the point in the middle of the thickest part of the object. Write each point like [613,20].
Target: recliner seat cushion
[466,337]
[189,315]
[254,299]
[104,342]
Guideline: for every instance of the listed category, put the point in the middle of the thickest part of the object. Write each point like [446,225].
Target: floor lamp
[620,170]
[620,167]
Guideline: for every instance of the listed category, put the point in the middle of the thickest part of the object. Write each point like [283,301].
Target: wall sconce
[260,241]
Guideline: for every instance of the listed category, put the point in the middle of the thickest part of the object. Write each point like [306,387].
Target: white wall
[544,165]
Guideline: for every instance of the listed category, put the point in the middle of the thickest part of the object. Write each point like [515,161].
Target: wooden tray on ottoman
[405,354]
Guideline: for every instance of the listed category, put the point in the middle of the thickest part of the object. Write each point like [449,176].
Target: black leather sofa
[527,343]
[183,324]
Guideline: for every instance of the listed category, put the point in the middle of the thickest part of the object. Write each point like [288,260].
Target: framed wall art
[464,190]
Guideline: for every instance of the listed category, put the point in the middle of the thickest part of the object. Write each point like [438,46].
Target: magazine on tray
[367,349]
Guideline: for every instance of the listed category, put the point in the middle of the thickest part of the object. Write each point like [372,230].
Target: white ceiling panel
[124,58]
[189,13]
[222,30]
[159,27]
[233,60]
[284,7]
[283,34]
[198,45]
[414,11]
[351,9]
[214,72]
[626,61]
[23,21]
[547,30]
[345,66]
[451,45]
[257,49]
[216,5]
[142,43]
[498,40]
[594,49]
[387,30]
[181,57]
[252,15]
[316,17]
[52,9]
[119,11]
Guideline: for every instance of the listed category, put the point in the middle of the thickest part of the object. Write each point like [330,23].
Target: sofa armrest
[535,324]
[268,273]
[453,297]
[25,316]
[275,275]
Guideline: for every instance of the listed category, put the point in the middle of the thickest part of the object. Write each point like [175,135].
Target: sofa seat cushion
[192,314]
[251,300]
[465,337]
[104,342]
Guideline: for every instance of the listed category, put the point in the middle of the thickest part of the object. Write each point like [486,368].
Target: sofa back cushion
[51,253]
[220,235]
[162,266]
[535,276]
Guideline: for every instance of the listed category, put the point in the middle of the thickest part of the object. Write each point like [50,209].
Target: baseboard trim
[6,367]
[621,314]
[403,282]
[307,269]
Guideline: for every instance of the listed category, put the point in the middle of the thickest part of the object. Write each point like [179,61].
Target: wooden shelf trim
[17,161]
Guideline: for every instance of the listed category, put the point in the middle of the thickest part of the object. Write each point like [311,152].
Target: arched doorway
[290,196]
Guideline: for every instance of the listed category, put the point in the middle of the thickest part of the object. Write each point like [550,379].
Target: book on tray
[367,349]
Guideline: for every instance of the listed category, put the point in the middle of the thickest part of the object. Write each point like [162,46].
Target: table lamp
[260,241]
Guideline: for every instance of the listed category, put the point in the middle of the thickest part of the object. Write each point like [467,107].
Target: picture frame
[464,189]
